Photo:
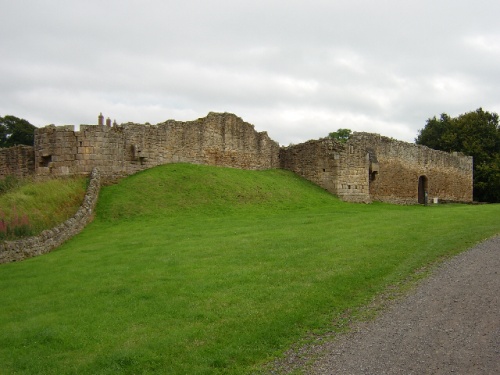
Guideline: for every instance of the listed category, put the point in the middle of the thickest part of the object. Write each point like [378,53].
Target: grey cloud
[294,68]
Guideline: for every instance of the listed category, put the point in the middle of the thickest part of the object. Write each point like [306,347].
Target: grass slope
[45,203]
[203,270]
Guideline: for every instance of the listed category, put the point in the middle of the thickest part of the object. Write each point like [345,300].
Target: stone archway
[422,189]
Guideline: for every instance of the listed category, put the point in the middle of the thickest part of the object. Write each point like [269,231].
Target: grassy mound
[203,270]
[181,189]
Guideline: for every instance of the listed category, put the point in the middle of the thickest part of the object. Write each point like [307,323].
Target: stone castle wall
[367,167]
[218,139]
[11,251]
[370,167]
[18,161]
[399,166]
[338,168]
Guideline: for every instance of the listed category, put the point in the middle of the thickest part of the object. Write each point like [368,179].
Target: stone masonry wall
[18,161]
[316,161]
[337,167]
[400,165]
[11,251]
[370,167]
[367,167]
[353,177]
[218,139]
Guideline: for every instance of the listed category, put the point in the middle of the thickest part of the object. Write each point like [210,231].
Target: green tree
[437,134]
[16,131]
[341,134]
[476,134]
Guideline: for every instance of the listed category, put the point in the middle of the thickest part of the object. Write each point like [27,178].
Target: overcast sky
[296,69]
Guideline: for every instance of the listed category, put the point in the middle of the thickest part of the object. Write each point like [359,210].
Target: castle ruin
[366,168]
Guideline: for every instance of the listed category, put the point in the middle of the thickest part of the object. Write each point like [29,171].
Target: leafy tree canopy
[16,131]
[476,134]
[341,134]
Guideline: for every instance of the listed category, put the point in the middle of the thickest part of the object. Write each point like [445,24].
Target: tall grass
[29,207]
[10,182]
[16,226]
[204,270]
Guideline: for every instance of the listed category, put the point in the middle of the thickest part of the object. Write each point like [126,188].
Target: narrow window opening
[45,161]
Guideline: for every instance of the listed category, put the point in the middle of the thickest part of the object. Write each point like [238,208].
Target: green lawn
[204,270]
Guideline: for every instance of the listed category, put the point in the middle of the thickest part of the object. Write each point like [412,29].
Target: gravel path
[450,324]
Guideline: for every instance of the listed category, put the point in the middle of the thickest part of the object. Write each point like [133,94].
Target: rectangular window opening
[45,161]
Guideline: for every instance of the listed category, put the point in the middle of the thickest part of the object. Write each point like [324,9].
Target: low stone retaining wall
[11,251]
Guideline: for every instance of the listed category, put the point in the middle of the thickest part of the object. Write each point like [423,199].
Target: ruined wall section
[339,168]
[18,161]
[353,178]
[316,160]
[218,139]
[367,167]
[55,150]
[102,147]
[370,167]
[397,166]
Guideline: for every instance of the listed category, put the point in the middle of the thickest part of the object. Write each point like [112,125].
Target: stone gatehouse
[367,167]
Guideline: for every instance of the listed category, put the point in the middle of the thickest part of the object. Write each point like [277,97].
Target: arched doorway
[422,189]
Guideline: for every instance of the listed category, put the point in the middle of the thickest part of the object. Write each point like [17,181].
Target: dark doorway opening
[422,189]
